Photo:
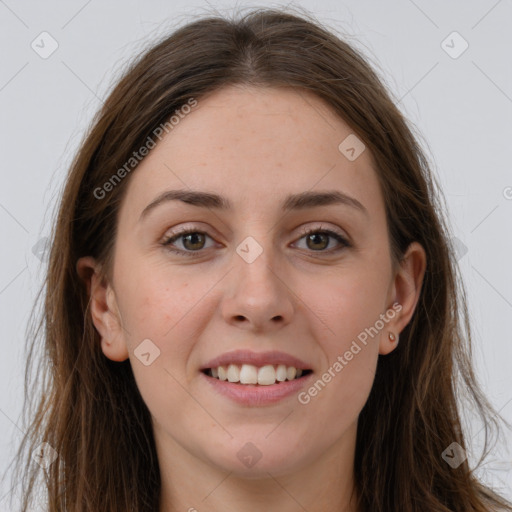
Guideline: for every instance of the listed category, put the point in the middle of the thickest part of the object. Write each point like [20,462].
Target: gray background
[462,107]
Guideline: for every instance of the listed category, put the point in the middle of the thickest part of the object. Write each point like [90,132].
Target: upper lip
[240,357]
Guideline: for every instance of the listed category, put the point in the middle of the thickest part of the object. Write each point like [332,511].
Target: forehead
[256,146]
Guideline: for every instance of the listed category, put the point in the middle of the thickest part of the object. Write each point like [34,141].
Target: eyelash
[186,231]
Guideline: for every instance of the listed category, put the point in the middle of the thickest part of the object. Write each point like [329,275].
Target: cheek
[350,348]
[155,302]
[160,309]
[350,309]
[351,303]
[167,307]
[338,395]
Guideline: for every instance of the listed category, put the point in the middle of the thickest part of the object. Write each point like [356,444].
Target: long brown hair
[89,408]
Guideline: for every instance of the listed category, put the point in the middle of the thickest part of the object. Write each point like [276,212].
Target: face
[248,287]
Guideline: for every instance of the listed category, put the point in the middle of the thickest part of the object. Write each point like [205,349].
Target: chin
[256,459]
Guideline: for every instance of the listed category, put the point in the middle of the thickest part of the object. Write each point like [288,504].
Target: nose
[257,296]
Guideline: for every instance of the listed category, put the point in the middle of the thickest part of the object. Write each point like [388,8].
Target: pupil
[187,237]
[315,235]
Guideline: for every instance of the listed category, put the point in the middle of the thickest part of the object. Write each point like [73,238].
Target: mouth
[251,378]
[252,375]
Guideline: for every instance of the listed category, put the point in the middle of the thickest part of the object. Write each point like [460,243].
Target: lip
[256,395]
[240,357]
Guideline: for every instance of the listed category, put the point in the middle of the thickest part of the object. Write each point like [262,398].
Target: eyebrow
[300,201]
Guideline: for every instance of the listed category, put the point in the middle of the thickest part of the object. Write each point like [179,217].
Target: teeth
[291,371]
[281,373]
[266,375]
[250,374]
[221,373]
[233,373]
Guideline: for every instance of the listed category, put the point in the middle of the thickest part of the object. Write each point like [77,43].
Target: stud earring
[392,337]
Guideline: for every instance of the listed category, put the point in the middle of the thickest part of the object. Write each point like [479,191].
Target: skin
[254,146]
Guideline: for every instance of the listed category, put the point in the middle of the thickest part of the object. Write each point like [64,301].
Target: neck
[323,484]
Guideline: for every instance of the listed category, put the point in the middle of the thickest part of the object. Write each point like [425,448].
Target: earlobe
[405,292]
[103,309]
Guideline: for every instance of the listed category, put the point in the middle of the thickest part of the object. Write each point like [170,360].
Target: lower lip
[253,394]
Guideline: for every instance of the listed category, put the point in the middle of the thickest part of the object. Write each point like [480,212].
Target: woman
[201,352]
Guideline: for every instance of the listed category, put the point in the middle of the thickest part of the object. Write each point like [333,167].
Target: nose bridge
[255,262]
[258,292]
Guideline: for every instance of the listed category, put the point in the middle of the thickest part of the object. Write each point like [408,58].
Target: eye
[193,241]
[317,239]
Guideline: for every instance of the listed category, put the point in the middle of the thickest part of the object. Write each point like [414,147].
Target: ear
[404,294]
[104,311]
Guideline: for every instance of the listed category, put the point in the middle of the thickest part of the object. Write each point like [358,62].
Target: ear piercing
[392,337]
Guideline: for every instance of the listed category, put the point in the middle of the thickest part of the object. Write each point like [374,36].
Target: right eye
[192,238]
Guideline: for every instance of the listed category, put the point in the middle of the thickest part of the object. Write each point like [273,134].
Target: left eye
[193,240]
[317,235]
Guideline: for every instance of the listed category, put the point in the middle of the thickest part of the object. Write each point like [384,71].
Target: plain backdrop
[456,89]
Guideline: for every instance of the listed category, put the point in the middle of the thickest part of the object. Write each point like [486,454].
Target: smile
[249,374]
